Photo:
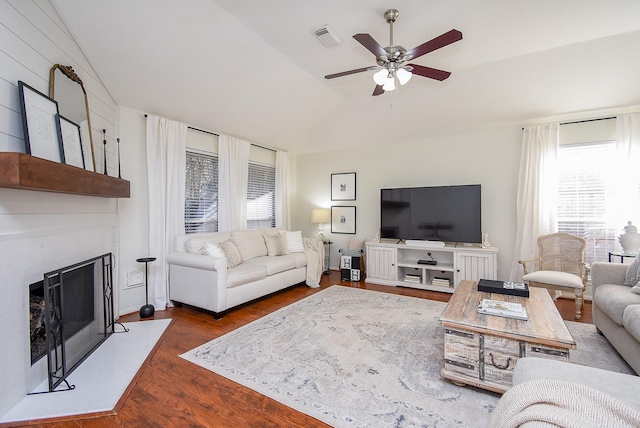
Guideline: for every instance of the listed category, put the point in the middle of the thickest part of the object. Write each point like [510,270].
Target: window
[201,193]
[586,196]
[261,208]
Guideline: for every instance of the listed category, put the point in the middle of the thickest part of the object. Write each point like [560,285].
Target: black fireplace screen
[78,314]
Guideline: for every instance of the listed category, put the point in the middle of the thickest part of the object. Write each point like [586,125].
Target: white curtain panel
[166,162]
[536,203]
[627,169]
[233,179]
[283,203]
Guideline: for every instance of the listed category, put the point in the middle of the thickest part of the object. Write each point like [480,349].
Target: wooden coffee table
[482,350]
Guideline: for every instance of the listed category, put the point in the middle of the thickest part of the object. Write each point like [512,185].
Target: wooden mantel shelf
[21,171]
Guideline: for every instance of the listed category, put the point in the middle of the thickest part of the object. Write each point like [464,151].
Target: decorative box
[350,267]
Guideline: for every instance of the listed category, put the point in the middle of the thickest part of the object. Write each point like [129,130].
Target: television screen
[442,213]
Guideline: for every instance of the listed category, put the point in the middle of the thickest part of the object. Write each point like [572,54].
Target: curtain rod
[587,120]
[217,135]
[584,121]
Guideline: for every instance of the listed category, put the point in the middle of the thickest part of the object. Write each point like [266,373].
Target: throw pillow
[231,253]
[636,288]
[632,276]
[294,241]
[276,245]
[212,250]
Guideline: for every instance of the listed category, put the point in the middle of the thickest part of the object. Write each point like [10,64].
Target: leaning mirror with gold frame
[67,89]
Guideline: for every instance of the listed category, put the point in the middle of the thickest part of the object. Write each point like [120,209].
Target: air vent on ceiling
[327,36]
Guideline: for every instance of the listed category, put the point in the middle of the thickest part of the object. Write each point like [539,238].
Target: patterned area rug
[359,358]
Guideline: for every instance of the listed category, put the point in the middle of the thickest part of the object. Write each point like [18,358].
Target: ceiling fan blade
[433,44]
[346,73]
[431,73]
[368,42]
[378,90]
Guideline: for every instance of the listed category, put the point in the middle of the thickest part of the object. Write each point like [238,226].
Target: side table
[327,257]
[621,255]
[146,310]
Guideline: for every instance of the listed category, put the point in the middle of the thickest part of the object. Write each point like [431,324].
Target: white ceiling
[253,68]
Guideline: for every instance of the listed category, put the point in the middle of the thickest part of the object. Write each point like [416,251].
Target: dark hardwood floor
[172,392]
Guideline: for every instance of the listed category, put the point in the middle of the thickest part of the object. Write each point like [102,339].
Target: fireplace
[71,314]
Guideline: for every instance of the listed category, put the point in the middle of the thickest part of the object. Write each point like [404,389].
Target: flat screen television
[441,213]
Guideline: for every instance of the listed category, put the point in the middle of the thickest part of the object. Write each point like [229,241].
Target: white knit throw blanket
[314,249]
[555,403]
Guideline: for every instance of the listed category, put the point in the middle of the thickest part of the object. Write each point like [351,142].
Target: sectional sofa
[616,310]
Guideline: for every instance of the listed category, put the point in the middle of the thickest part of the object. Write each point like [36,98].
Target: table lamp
[320,216]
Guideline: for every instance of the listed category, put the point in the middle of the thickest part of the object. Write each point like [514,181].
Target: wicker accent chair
[560,266]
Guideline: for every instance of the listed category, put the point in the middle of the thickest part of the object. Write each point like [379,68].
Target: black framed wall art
[343,219]
[40,124]
[343,186]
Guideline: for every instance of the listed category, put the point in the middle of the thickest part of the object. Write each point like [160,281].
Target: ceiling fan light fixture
[389,84]
[380,77]
[403,75]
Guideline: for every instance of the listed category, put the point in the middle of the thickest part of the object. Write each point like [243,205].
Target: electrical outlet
[135,278]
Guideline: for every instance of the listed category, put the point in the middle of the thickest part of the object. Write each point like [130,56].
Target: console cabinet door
[381,263]
[475,266]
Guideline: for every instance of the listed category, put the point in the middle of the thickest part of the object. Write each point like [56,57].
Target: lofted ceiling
[254,69]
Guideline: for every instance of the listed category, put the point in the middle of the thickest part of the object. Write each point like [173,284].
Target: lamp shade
[321,215]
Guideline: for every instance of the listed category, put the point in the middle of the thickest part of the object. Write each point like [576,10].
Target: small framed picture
[343,186]
[40,124]
[343,219]
[71,143]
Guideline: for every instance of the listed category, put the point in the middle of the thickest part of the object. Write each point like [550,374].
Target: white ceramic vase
[630,239]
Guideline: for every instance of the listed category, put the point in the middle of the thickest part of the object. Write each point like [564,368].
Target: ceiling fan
[392,61]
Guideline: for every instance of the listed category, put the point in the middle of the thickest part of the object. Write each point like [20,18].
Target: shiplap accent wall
[42,231]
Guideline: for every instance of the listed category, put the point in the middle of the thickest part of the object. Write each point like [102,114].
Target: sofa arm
[197,261]
[607,273]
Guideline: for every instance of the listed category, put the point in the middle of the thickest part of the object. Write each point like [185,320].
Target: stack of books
[502,309]
[413,278]
[445,282]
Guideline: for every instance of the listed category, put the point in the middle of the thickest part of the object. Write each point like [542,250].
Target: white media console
[391,263]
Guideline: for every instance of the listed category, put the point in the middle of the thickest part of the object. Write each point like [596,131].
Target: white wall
[42,231]
[489,158]
[133,213]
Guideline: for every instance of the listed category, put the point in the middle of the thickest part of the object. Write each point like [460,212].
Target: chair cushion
[632,276]
[631,321]
[613,299]
[551,277]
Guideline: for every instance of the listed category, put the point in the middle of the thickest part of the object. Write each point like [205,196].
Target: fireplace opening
[70,315]
[37,332]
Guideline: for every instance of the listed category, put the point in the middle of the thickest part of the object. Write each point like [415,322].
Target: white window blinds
[261,196]
[586,197]
[201,194]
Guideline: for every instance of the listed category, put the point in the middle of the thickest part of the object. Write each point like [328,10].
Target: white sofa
[200,276]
